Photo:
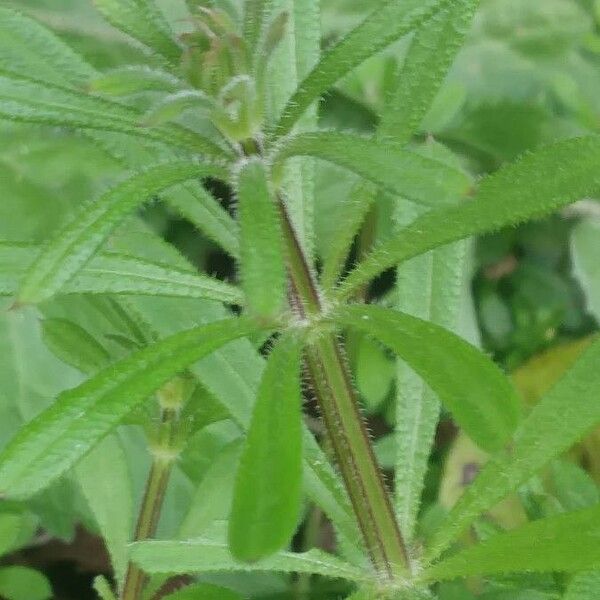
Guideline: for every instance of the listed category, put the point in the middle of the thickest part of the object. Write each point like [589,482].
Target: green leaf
[190,200]
[256,16]
[74,345]
[480,397]
[429,57]
[112,273]
[55,440]
[23,583]
[205,555]
[584,586]
[399,171]
[429,287]
[212,499]
[142,20]
[174,105]
[267,496]
[533,186]
[568,543]
[104,479]
[262,266]
[28,47]
[27,100]
[383,26]
[585,261]
[203,591]
[563,416]
[116,273]
[70,249]
[133,79]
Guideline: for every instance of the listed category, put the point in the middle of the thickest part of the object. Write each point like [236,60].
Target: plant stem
[163,459]
[331,382]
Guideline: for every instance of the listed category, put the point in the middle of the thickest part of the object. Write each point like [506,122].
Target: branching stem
[331,381]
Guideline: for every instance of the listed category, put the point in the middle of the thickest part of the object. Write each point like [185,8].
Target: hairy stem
[164,456]
[331,381]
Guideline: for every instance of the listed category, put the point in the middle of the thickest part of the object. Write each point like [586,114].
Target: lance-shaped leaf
[70,249]
[267,496]
[28,100]
[261,243]
[568,543]
[256,16]
[399,171]
[480,398]
[429,57]
[74,345]
[115,273]
[105,482]
[206,555]
[563,416]
[142,20]
[192,201]
[26,46]
[429,287]
[133,79]
[56,439]
[383,26]
[533,186]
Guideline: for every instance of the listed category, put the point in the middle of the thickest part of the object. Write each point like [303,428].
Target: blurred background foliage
[529,74]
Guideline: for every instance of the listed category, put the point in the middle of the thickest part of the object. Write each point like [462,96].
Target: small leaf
[74,345]
[256,15]
[267,496]
[480,397]
[23,583]
[399,171]
[534,185]
[261,244]
[568,543]
[103,589]
[384,25]
[71,248]
[55,440]
[133,79]
[564,415]
[142,20]
[584,586]
[174,105]
[204,555]
[203,591]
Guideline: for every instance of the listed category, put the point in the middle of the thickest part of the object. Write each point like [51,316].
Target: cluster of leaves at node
[224,79]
